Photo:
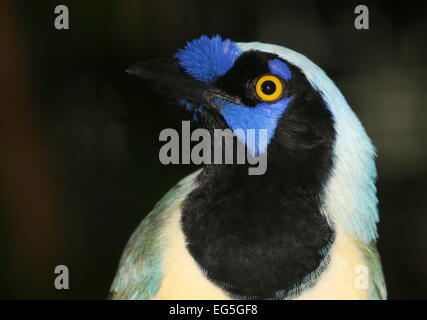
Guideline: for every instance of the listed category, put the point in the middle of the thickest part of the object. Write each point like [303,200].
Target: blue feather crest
[206,58]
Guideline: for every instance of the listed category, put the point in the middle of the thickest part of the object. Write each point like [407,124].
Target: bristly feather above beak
[166,76]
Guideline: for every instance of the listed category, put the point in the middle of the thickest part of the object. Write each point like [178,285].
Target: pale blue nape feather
[140,268]
[350,195]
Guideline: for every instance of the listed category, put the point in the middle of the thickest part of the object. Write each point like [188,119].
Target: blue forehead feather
[206,59]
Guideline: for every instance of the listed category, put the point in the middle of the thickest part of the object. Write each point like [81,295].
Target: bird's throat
[256,236]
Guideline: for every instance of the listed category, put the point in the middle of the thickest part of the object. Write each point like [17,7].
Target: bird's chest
[183,277]
[254,242]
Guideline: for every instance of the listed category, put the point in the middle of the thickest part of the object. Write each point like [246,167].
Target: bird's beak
[168,77]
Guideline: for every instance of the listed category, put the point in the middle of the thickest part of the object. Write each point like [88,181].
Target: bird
[305,229]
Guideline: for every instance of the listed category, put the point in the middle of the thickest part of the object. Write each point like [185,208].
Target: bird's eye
[269,88]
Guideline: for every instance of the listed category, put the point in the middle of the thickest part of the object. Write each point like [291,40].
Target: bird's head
[228,85]
[307,119]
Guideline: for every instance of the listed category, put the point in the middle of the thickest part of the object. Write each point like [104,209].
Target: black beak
[167,77]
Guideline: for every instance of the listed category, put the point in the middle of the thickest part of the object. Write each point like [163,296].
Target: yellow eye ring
[269,88]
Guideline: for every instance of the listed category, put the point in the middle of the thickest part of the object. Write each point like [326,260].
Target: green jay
[305,229]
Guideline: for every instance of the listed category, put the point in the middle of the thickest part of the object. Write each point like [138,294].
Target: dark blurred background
[79,142]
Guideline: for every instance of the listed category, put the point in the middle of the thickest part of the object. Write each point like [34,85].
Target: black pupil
[268,87]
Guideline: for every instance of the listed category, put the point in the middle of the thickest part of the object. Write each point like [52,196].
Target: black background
[79,142]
